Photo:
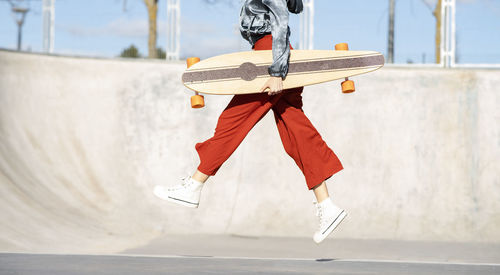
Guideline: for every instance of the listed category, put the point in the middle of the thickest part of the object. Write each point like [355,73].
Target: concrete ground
[331,248]
[208,254]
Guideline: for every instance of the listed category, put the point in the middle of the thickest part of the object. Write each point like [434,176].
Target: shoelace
[185,183]
[319,214]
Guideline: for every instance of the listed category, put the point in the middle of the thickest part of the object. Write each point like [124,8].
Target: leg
[302,141]
[200,177]
[239,117]
[321,192]
[242,113]
[318,162]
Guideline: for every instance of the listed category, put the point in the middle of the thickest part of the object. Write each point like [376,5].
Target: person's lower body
[300,139]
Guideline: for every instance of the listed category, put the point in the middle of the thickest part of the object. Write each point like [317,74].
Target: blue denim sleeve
[281,33]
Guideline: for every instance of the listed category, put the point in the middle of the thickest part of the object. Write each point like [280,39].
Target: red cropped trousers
[299,137]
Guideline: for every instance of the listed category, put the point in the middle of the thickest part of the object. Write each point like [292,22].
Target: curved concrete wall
[83,141]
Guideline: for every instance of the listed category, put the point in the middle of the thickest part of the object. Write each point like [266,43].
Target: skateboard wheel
[192,60]
[342,47]
[348,86]
[197,101]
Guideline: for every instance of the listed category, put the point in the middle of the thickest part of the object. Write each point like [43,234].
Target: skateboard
[246,72]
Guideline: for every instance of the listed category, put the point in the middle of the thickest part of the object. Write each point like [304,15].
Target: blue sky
[104,28]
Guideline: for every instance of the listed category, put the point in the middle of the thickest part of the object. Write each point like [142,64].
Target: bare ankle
[200,177]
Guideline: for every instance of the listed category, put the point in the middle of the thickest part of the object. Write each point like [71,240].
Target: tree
[160,53]
[152,7]
[131,52]
[437,14]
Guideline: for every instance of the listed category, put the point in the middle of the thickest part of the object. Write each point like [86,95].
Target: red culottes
[299,137]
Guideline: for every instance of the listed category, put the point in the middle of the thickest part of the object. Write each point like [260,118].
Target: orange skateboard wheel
[342,47]
[192,60]
[197,101]
[348,86]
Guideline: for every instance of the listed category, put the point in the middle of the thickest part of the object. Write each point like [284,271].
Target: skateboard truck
[197,101]
[347,85]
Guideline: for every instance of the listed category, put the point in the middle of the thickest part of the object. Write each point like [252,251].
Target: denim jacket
[261,17]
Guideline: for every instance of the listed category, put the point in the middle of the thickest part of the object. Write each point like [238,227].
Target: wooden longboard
[246,72]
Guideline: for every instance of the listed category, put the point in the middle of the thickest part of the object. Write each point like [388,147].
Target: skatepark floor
[230,254]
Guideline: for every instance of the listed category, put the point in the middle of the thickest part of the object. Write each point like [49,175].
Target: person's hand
[274,84]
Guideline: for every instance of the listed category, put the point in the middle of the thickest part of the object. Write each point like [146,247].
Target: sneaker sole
[177,201]
[182,202]
[332,226]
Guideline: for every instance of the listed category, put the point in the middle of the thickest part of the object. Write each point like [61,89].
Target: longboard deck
[246,72]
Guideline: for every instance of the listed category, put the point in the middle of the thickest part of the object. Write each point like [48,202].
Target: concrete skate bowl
[75,171]
[83,141]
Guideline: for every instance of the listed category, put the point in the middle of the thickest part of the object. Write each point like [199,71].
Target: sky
[104,28]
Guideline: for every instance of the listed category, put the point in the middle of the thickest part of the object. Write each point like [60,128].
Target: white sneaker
[330,217]
[187,193]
